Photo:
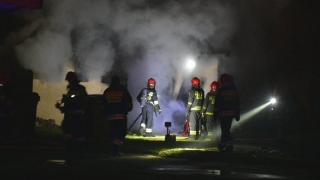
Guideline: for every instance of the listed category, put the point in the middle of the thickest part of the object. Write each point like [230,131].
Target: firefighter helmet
[195,81]
[71,76]
[225,79]
[214,85]
[151,83]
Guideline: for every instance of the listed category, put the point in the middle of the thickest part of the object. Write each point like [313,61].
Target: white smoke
[142,38]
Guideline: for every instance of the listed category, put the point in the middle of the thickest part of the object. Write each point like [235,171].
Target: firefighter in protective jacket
[74,105]
[118,102]
[194,106]
[149,103]
[208,109]
[227,107]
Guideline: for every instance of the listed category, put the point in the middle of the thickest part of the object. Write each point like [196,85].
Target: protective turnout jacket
[195,100]
[148,96]
[227,102]
[209,101]
[76,100]
[117,102]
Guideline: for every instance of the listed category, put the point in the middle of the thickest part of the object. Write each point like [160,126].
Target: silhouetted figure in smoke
[208,110]
[194,106]
[148,100]
[6,106]
[75,105]
[117,103]
[226,107]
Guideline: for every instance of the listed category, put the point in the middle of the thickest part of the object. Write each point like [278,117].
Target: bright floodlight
[191,64]
[273,100]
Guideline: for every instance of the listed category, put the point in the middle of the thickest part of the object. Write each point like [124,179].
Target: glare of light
[190,63]
[273,100]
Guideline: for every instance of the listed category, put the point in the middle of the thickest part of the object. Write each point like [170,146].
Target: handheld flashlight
[273,100]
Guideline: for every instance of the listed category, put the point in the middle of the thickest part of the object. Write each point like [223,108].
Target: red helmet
[225,79]
[195,81]
[151,82]
[214,85]
[71,76]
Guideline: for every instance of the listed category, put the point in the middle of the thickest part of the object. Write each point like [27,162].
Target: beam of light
[250,114]
[246,116]
[177,86]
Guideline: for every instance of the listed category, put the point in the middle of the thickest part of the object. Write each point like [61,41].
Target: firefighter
[194,106]
[226,107]
[74,106]
[117,103]
[6,106]
[208,109]
[149,103]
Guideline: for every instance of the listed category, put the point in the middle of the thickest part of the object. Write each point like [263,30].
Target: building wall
[50,93]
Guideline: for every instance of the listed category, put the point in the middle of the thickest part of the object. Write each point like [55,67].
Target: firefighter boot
[142,130]
[222,147]
[229,146]
[197,136]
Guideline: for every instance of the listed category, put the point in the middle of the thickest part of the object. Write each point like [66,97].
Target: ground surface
[41,157]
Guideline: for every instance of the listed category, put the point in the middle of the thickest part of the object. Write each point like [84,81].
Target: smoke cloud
[139,38]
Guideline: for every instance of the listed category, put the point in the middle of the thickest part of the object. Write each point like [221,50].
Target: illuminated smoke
[141,38]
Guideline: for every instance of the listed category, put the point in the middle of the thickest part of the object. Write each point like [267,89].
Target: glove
[57,105]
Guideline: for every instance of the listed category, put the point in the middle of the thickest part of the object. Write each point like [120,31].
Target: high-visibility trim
[193,133]
[117,117]
[155,102]
[143,125]
[196,108]
[149,103]
[114,99]
[227,113]
[117,142]
[148,130]
[209,113]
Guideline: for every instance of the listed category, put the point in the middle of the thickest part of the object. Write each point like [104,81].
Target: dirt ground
[42,158]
